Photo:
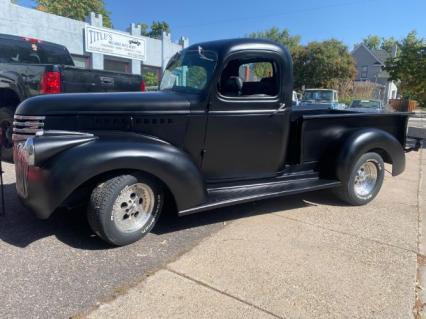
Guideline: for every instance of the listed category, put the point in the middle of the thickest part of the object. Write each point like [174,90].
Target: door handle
[107,80]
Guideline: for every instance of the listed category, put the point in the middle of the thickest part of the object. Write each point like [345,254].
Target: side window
[250,78]
[364,71]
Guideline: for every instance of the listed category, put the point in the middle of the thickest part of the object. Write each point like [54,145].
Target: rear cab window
[33,52]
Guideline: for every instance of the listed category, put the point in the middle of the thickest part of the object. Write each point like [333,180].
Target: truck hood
[89,103]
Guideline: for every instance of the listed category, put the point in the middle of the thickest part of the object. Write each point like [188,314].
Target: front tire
[365,180]
[125,208]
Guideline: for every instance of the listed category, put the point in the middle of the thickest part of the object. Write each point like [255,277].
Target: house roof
[380,55]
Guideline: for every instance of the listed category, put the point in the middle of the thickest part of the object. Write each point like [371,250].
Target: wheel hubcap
[365,179]
[133,207]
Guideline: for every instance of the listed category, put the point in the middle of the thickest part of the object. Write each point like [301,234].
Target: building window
[364,72]
[81,61]
[116,65]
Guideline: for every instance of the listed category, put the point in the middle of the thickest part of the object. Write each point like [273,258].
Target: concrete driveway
[298,257]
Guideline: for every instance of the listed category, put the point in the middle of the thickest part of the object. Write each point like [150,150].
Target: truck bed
[312,130]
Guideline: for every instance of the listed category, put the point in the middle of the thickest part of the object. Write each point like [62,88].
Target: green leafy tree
[409,67]
[155,30]
[375,42]
[75,9]
[389,44]
[372,42]
[325,64]
[144,29]
[150,78]
[281,36]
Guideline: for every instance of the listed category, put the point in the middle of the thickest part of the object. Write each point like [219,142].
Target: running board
[220,197]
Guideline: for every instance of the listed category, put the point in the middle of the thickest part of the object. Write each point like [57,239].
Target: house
[369,65]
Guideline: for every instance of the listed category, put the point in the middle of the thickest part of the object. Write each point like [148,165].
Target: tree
[325,64]
[75,9]
[389,44]
[144,29]
[150,78]
[409,67]
[156,30]
[281,36]
[372,42]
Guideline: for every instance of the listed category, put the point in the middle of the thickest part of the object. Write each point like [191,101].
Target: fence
[403,105]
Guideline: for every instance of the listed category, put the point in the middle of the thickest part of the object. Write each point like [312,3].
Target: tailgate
[75,80]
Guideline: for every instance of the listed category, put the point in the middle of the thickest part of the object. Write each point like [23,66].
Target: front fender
[363,141]
[66,171]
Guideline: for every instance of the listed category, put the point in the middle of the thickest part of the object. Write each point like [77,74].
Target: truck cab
[220,131]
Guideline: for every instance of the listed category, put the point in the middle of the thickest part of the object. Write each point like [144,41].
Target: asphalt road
[58,268]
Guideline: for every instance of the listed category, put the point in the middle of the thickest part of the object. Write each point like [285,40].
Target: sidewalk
[309,258]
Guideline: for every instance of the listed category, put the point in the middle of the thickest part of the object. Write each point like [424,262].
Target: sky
[347,20]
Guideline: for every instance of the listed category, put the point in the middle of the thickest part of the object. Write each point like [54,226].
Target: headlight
[30,151]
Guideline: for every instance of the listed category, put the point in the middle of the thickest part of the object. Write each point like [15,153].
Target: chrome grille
[27,126]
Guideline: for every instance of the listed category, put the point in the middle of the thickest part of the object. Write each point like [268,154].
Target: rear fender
[363,141]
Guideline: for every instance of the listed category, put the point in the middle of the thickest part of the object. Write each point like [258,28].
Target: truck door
[247,127]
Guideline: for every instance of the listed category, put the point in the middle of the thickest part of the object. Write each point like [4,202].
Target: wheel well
[385,155]
[9,98]
[83,192]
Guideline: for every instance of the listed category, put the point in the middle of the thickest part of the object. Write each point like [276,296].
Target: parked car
[206,139]
[29,67]
[321,99]
[366,106]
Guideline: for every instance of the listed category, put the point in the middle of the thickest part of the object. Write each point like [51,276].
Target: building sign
[109,42]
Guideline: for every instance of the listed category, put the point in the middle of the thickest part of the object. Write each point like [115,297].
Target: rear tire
[6,125]
[125,208]
[364,181]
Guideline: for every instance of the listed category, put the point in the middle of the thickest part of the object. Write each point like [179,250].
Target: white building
[90,44]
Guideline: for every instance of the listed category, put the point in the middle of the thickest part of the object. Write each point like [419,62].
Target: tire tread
[98,203]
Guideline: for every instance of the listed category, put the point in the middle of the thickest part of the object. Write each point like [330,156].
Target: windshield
[21,51]
[319,95]
[366,104]
[189,71]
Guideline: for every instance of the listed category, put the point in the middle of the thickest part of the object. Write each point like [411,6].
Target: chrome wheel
[366,179]
[133,207]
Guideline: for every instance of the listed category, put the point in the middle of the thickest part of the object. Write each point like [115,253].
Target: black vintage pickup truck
[29,67]
[220,131]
